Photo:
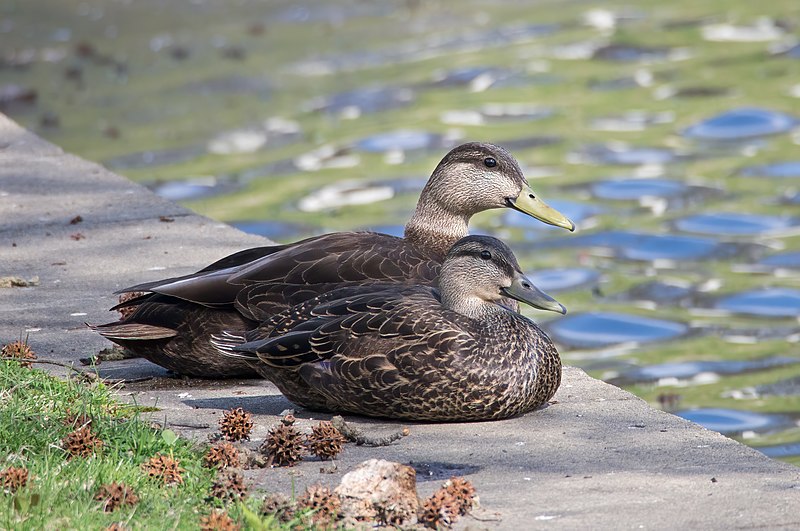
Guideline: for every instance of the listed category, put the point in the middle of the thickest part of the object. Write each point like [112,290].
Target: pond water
[687,369]
[733,421]
[596,330]
[400,140]
[735,224]
[769,302]
[741,124]
[564,279]
[635,189]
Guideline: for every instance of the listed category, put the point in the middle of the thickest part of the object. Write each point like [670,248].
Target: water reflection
[769,302]
[732,421]
[735,224]
[596,330]
[741,124]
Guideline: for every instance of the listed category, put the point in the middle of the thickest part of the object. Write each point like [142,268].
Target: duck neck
[435,228]
[474,308]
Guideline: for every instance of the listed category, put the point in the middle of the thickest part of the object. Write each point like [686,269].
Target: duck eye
[490,162]
[486,255]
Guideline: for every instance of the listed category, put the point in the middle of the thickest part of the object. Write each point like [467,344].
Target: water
[579,213]
[635,189]
[741,124]
[688,369]
[597,330]
[199,188]
[787,260]
[768,302]
[283,231]
[365,100]
[400,140]
[785,169]
[624,155]
[733,421]
[735,224]
[650,247]
[660,292]
[780,450]
[564,279]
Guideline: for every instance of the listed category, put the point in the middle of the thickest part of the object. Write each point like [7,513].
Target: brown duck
[415,352]
[172,324]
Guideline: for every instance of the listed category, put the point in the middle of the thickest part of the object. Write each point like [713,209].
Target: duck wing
[321,261]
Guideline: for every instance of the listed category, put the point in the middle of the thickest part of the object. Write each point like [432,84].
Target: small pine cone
[283,445]
[19,350]
[326,505]
[325,441]
[438,512]
[278,505]
[164,468]
[127,311]
[462,493]
[116,526]
[218,521]
[115,495]
[14,478]
[229,486]
[81,442]
[77,420]
[236,425]
[221,456]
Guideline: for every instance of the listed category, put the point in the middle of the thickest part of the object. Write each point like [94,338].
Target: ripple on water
[189,189]
[688,369]
[621,154]
[731,421]
[563,279]
[649,247]
[785,169]
[276,230]
[735,224]
[400,140]
[597,330]
[364,100]
[635,189]
[788,260]
[741,124]
[768,302]
[780,450]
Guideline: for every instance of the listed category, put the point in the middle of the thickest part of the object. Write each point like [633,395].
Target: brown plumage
[416,352]
[173,323]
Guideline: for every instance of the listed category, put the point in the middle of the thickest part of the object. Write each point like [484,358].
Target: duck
[450,353]
[170,322]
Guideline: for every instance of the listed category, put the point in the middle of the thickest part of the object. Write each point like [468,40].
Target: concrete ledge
[597,458]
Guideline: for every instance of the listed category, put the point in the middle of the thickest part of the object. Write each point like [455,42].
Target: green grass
[35,409]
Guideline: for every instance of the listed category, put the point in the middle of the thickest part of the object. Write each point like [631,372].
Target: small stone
[379,490]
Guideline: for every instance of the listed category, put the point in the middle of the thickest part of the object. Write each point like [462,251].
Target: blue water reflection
[732,421]
[596,330]
[734,223]
[769,302]
[741,124]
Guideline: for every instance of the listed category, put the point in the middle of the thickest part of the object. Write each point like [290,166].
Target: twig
[356,435]
[48,362]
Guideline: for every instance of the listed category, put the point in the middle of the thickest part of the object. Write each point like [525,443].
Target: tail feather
[226,344]
[133,331]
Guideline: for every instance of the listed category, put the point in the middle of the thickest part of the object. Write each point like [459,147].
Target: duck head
[480,271]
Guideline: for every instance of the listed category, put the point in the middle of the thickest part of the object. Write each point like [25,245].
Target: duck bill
[528,203]
[523,290]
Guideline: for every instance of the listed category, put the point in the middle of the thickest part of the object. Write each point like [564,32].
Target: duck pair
[422,327]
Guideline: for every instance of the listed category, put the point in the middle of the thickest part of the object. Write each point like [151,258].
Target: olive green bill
[527,202]
[523,290]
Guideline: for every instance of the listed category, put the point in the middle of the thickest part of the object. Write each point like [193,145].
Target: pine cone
[326,505]
[280,506]
[14,478]
[164,468]
[218,521]
[81,442]
[221,456]
[127,311]
[236,425]
[116,526]
[325,441]
[283,445]
[462,492]
[19,350]
[437,511]
[229,486]
[115,495]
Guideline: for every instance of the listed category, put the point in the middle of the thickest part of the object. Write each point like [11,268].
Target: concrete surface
[598,458]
